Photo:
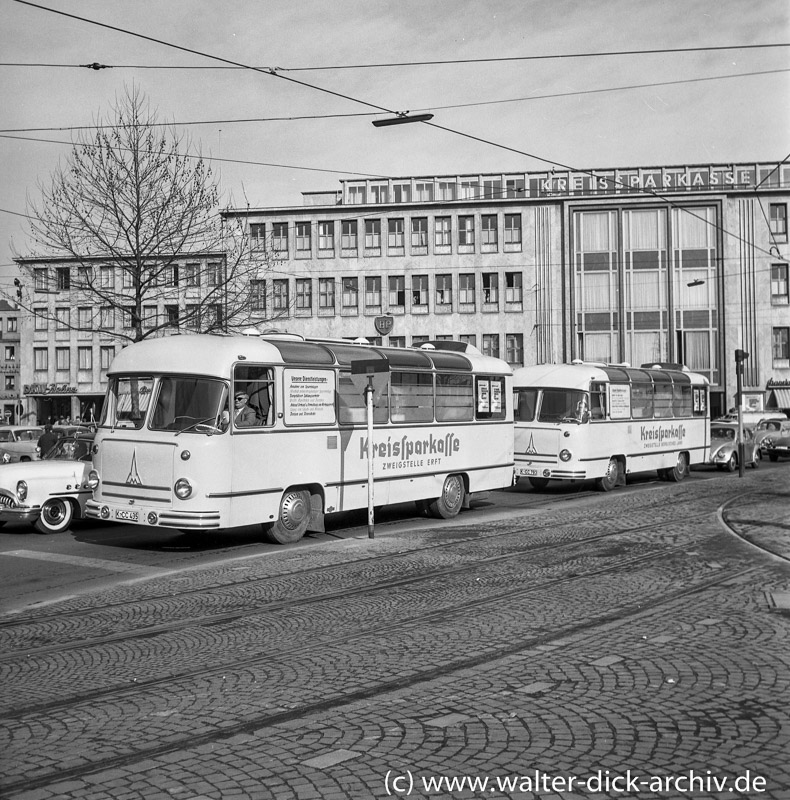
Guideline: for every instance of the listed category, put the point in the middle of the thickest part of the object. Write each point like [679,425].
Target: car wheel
[56,516]
[757,457]
[773,456]
[449,503]
[295,512]
[732,464]
[609,480]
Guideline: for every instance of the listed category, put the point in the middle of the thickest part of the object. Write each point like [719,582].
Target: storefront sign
[49,388]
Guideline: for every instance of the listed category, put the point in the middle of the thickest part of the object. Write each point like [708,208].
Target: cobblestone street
[634,646]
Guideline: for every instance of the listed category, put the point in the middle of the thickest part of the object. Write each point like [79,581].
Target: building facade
[681,264]
[10,390]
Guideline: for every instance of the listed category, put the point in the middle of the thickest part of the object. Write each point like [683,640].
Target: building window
[193,274]
[150,317]
[466,231]
[280,295]
[491,345]
[258,295]
[257,235]
[378,193]
[106,277]
[779,284]
[396,341]
[10,383]
[127,279]
[468,338]
[356,195]
[419,291]
[468,190]
[40,319]
[11,325]
[423,191]
[350,298]
[489,230]
[214,273]
[212,317]
[106,318]
[106,354]
[62,318]
[513,229]
[778,221]
[85,358]
[395,234]
[492,189]
[304,294]
[419,232]
[10,352]
[84,316]
[172,315]
[466,292]
[303,244]
[40,279]
[373,293]
[40,359]
[442,232]
[446,190]
[326,294]
[781,344]
[444,292]
[373,234]
[401,192]
[280,238]
[397,292]
[514,188]
[514,349]
[348,234]
[514,293]
[63,278]
[490,288]
[326,236]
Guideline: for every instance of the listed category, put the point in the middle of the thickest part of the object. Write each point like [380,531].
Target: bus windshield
[191,404]
[563,405]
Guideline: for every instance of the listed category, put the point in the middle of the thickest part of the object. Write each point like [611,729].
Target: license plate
[122,513]
[526,471]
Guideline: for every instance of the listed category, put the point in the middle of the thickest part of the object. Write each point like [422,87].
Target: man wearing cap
[243,414]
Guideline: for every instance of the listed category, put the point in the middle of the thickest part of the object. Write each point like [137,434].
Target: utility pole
[740,357]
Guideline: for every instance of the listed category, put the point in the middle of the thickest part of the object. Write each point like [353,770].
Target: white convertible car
[51,492]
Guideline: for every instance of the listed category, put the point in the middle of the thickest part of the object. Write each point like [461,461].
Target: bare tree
[132,223]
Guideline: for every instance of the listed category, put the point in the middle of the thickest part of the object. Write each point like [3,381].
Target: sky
[572,106]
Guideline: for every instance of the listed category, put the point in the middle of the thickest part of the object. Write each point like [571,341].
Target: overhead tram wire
[273,72]
[436,62]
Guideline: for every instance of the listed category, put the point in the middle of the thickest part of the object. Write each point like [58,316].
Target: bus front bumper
[153,517]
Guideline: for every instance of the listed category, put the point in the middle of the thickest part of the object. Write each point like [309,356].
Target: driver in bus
[243,414]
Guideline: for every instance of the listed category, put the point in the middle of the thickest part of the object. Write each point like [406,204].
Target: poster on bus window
[309,396]
[483,396]
[619,401]
[496,397]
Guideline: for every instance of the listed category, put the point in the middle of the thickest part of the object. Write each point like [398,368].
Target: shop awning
[780,398]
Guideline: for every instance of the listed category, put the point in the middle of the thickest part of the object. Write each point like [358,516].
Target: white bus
[169,451]
[586,421]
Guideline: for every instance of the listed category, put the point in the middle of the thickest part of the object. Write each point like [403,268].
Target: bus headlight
[182,488]
[93,479]
[565,455]
[21,490]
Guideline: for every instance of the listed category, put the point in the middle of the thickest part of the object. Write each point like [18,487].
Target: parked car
[19,442]
[778,442]
[51,492]
[766,428]
[724,446]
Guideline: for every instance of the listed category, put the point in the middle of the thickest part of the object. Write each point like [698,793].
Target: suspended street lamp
[401,118]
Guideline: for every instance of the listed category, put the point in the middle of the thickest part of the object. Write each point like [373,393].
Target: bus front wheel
[538,483]
[294,518]
[680,470]
[449,503]
[609,480]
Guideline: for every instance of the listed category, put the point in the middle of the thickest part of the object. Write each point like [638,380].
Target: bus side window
[525,405]
[257,383]
[598,401]
[641,400]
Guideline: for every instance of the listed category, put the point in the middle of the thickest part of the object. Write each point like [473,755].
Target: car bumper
[23,514]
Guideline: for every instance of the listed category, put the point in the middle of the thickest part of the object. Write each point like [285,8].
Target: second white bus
[585,421]
[170,451]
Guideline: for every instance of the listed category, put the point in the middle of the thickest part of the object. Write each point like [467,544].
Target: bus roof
[579,376]
[211,354]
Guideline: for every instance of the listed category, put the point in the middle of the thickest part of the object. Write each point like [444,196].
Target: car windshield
[70,450]
[722,433]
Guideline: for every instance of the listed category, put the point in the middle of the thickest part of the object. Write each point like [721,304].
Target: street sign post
[740,357]
[371,377]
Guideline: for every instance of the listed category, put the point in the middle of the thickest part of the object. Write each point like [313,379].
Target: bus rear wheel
[295,511]
[609,480]
[449,503]
[680,470]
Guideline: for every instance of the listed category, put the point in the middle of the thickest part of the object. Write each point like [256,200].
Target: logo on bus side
[406,450]
[667,434]
[133,478]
